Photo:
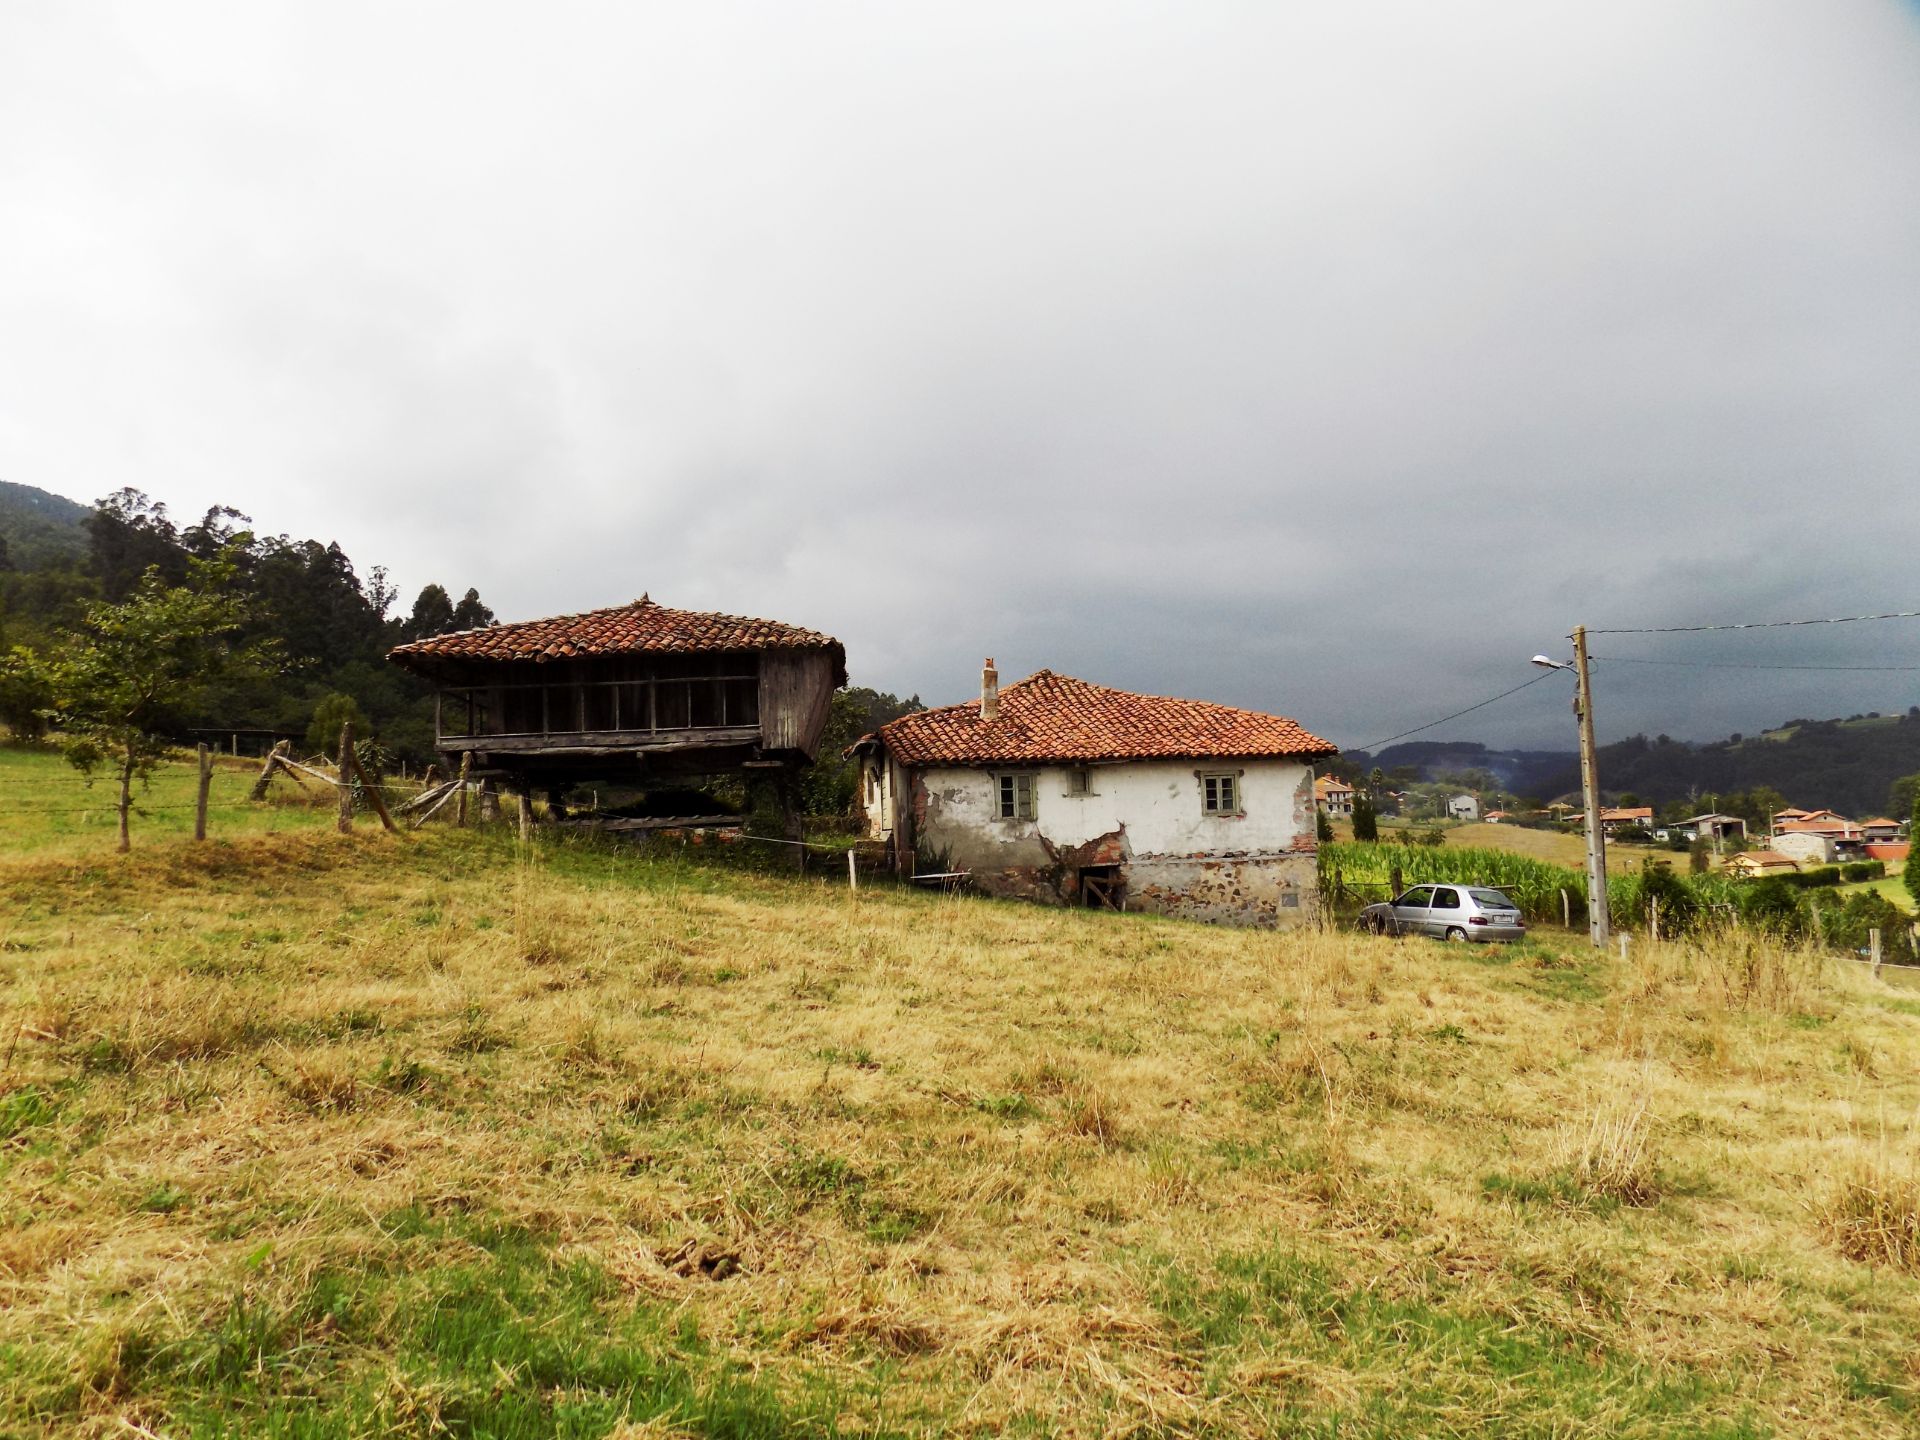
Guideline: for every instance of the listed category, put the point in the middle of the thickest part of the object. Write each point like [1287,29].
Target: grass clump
[1872,1214]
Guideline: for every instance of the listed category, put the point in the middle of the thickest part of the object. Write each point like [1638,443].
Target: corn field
[1535,885]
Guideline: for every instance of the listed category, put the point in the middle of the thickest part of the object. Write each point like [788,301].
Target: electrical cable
[1753,624]
[1418,729]
[1744,665]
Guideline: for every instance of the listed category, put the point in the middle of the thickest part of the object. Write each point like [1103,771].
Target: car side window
[1416,898]
[1445,899]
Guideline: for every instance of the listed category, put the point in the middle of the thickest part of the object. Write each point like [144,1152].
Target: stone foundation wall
[1223,890]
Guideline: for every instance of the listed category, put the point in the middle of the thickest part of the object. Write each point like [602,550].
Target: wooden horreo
[632,694]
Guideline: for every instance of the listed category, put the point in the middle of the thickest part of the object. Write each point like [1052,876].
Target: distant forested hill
[1848,765]
[38,527]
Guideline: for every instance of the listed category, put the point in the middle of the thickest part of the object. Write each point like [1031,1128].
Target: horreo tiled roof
[1056,718]
[640,628]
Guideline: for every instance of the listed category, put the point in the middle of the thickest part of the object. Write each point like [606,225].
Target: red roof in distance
[640,628]
[1049,717]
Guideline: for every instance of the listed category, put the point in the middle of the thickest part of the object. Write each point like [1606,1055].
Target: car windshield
[1492,899]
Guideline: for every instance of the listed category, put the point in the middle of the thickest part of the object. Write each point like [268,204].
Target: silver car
[1448,912]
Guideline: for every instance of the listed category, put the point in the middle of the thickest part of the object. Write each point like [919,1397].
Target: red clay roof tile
[1049,717]
[642,627]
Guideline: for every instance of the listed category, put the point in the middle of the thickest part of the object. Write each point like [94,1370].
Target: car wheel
[1376,926]
[1456,935]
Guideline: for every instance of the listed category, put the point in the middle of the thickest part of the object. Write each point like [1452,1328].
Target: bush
[1813,879]
[323,732]
[1913,869]
[1855,871]
[1677,904]
[1771,906]
[1322,827]
[1366,822]
[1847,927]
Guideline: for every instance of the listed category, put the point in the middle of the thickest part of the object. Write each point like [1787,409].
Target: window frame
[1015,796]
[1079,782]
[1234,794]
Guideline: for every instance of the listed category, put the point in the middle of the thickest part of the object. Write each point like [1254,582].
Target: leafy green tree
[1366,820]
[470,613]
[136,668]
[1913,861]
[1774,906]
[26,694]
[432,613]
[1322,827]
[323,731]
[1698,850]
[1904,795]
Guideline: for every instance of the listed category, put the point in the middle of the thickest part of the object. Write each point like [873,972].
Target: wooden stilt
[489,801]
[345,822]
[466,768]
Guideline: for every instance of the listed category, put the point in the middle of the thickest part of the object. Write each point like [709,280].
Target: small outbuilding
[1059,790]
[1754,864]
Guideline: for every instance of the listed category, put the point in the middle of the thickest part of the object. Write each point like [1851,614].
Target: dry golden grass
[429,1136]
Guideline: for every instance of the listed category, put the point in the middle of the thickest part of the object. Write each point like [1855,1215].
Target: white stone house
[1062,791]
[1463,807]
[1333,795]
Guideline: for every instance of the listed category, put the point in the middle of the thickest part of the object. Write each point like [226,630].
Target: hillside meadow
[316,1135]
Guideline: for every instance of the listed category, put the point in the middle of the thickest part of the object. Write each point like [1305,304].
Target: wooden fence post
[1873,951]
[259,791]
[1566,907]
[489,801]
[345,823]
[1653,919]
[526,812]
[1394,881]
[1625,938]
[853,874]
[460,803]
[206,784]
[372,793]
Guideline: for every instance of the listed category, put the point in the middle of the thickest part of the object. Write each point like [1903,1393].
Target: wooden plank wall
[796,689]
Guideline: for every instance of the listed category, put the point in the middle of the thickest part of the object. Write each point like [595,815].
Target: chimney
[989,692]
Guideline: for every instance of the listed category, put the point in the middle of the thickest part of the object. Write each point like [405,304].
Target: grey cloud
[1326,359]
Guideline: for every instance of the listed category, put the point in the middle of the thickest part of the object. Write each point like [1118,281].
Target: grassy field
[310,1135]
[1893,887]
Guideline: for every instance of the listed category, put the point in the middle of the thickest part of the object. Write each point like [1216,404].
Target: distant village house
[1463,807]
[1059,790]
[1333,795]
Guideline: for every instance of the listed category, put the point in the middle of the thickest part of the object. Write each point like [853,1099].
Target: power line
[1376,744]
[1744,665]
[1755,624]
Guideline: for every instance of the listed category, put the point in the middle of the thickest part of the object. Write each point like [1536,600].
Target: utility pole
[1597,926]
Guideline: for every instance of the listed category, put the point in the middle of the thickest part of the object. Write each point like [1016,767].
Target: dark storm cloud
[1326,359]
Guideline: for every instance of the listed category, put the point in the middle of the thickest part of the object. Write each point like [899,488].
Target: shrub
[1818,877]
[1366,822]
[1771,906]
[1855,871]
[1675,901]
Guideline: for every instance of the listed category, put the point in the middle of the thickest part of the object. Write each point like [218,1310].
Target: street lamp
[1597,927]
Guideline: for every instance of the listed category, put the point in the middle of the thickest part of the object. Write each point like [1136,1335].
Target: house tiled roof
[1049,717]
[1331,785]
[1765,858]
[640,628]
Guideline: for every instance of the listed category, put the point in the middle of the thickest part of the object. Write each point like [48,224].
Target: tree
[1322,827]
[1904,795]
[1366,820]
[432,613]
[323,731]
[26,694]
[136,668]
[470,613]
[1913,862]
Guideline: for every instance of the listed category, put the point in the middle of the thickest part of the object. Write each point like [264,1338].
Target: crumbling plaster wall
[1256,867]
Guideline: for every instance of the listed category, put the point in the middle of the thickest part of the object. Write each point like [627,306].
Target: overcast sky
[1328,359]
